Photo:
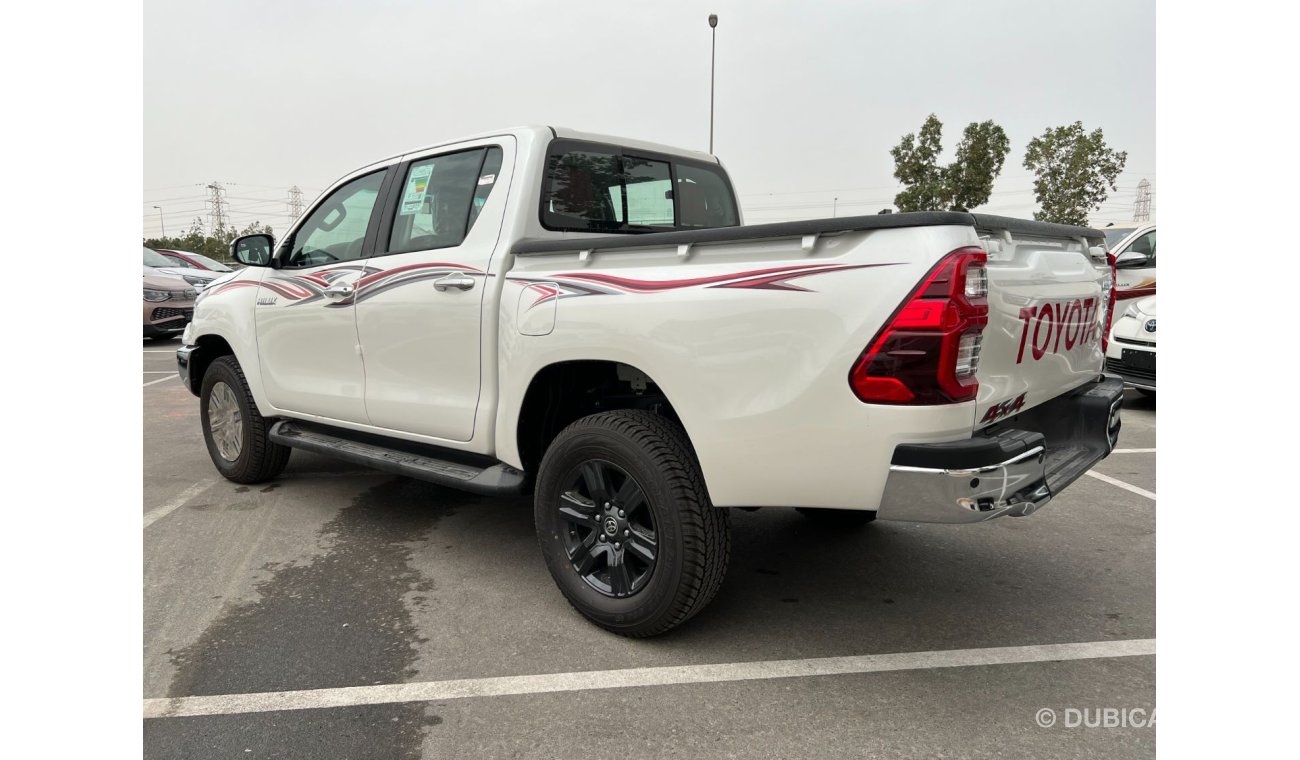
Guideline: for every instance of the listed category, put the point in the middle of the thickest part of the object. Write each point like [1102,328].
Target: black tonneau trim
[1030,227]
[748,232]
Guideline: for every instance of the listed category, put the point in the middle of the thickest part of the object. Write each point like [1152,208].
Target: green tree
[963,184]
[216,245]
[1072,171]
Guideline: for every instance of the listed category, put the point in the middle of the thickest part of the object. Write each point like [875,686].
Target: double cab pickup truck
[587,319]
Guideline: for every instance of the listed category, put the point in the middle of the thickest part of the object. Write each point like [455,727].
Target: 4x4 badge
[998,411]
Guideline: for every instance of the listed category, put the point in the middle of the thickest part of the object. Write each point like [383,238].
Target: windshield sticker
[487,179]
[417,185]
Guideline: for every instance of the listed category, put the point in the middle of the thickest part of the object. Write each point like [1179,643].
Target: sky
[811,95]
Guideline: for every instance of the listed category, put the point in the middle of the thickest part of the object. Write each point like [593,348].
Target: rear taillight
[928,351]
[1108,293]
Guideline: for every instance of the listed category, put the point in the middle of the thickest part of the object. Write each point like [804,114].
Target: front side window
[336,229]
[441,199]
[598,188]
[1115,234]
[1145,245]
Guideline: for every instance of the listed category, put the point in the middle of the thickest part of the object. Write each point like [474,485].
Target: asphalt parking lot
[334,577]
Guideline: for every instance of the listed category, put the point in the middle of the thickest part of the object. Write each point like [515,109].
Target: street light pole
[160,221]
[713,57]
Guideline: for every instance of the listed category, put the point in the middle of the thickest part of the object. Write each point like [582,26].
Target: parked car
[187,260]
[585,317]
[156,263]
[1131,353]
[1134,246]
[168,305]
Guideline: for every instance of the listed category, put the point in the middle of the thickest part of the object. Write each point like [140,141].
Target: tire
[843,518]
[256,458]
[672,518]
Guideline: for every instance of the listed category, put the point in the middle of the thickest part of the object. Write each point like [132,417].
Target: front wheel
[236,434]
[626,525]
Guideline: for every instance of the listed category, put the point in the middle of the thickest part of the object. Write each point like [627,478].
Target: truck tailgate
[1049,287]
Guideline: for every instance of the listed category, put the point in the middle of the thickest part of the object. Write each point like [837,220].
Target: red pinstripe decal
[651,286]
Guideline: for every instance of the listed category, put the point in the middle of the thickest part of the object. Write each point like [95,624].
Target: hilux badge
[266,301]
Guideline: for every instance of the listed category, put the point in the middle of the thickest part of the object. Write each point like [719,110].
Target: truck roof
[573,134]
[542,131]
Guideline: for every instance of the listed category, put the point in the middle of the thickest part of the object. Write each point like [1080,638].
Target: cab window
[336,229]
[441,198]
[590,187]
[1145,245]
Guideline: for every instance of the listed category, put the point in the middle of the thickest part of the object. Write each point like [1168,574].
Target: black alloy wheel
[610,538]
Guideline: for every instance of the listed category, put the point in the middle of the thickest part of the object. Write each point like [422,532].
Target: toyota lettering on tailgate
[1057,326]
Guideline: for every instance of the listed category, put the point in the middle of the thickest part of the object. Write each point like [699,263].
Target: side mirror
[253,250]
[1132,260]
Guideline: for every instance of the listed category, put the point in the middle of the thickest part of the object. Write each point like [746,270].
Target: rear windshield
[591,187]
[154,259]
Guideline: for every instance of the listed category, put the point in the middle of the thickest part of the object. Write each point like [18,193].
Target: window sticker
[487,179]
[417,185]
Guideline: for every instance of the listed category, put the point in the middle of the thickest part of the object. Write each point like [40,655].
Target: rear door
[420,306]
[1048,291]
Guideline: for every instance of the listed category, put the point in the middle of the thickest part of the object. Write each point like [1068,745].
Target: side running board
[499,478]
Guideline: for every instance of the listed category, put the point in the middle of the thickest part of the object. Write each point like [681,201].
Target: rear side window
[441,199]
[604,188]
[704,198]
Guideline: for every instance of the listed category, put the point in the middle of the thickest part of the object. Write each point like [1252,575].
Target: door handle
[460,281]
[338,291]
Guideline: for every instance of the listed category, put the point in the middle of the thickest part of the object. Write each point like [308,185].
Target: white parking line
[154,515]
[349,696]
[1122,484]
[1132,451]
[159,380]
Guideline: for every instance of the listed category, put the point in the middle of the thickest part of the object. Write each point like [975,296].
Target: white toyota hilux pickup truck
[586,318]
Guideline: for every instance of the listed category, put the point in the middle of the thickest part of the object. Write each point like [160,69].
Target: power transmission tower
[217,207]
[295,203]
[1142,206]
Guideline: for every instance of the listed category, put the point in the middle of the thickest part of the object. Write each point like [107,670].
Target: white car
[156,263]
[1134,247]
[586,317]
[1131,353]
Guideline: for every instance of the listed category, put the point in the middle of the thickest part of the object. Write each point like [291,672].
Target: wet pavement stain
[338,619]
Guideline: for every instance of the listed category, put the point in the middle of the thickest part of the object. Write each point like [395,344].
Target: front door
[306,324]
[1138,279]
[420,307]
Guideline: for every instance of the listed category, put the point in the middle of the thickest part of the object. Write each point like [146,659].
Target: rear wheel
[625,523]
[838,517]
[236,434]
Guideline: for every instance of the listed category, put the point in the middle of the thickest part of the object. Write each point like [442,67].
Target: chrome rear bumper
[1008,472]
